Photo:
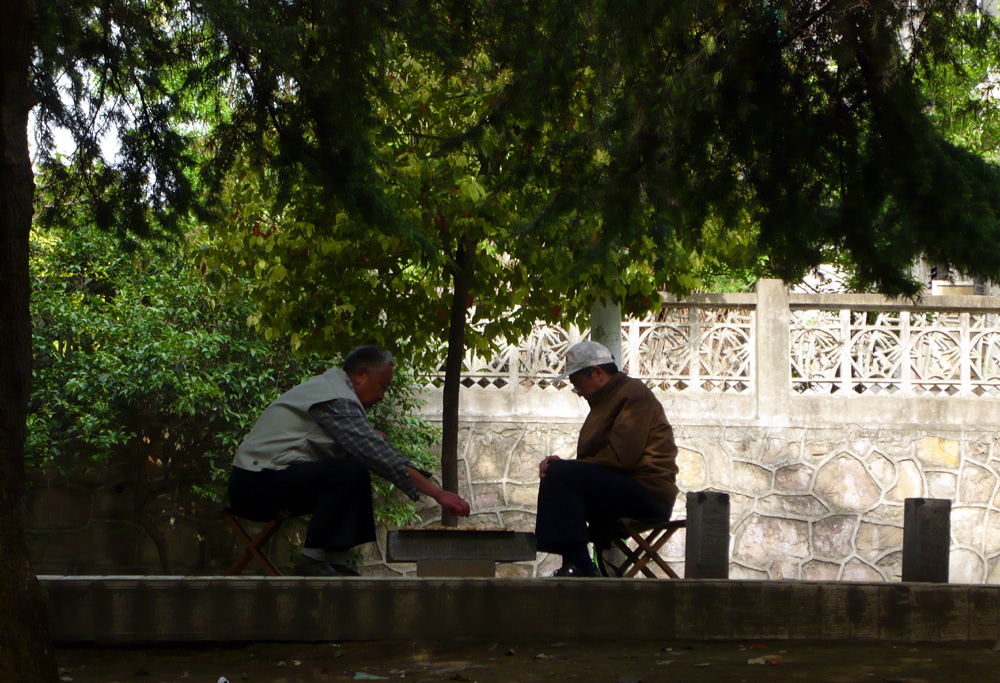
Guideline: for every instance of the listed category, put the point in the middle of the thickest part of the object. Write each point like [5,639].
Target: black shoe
[307,566]
[570,570]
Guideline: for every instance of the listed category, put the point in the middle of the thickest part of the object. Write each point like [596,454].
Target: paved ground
[616,662]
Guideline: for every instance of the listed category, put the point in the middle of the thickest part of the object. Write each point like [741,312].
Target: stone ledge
[133,609]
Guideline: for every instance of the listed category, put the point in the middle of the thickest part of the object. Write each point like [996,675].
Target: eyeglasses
[583,373]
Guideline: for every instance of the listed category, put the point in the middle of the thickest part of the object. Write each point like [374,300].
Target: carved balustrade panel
[936,358]
[816,350]
[900,351]
[492,372]
[681,348]
[542,355]
[875,352]
[726,350]
[533,362]
[686,347]
[984,354]
[489,373]
[846,349]
[659,350]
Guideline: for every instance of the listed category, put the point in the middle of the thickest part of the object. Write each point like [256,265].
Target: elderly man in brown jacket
[625,463]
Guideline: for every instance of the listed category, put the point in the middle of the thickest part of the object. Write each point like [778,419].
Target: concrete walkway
[149,609]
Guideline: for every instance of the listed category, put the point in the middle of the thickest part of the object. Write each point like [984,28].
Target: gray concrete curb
[139,609]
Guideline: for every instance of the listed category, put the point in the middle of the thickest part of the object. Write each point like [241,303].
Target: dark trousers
[336,491]
[580,502]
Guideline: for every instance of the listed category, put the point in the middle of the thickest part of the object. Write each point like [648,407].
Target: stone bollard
[926,539]
[707,544]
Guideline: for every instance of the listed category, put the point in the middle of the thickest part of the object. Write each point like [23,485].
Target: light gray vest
[286,433]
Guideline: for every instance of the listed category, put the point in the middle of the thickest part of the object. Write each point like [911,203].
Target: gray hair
[373,357]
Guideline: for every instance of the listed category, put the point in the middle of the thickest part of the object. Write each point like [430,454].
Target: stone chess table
[458,551]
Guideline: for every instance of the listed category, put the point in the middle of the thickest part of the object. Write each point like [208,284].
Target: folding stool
[253,547]
[648,537]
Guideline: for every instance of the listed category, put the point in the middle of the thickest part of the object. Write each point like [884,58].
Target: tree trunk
[26,653]
[462,280]
[145,492]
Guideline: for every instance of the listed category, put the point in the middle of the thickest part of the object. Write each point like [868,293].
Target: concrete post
[707,545]
[926,539]
[606,327]
[773,348]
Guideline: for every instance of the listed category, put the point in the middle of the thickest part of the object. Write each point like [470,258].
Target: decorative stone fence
[818,413]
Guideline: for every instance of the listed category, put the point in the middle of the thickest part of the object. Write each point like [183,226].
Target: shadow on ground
[617,662]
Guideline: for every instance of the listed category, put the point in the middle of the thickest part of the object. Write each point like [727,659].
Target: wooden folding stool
[253,547]
[648,538]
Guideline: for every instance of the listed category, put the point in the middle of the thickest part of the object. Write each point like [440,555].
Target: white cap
[585,355]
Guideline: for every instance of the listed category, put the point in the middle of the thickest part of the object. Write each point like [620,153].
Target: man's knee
[355,468]
[561,477]
[563,471]
[335,476]
[352,472]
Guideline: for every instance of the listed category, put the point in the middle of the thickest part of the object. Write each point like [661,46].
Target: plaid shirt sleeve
[346,423]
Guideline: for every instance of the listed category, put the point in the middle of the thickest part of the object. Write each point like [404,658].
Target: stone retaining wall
[814,504]
[124,521]
[141,610]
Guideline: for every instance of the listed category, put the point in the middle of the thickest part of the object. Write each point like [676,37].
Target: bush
[140,363]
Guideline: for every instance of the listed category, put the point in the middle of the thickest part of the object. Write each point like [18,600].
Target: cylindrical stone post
[606,327]
[926,539]
[707,543]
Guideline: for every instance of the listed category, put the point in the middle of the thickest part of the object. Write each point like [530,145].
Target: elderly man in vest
[625,464]
[312,451]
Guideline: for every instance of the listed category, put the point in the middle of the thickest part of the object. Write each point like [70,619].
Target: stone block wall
[812,504]
[123,522]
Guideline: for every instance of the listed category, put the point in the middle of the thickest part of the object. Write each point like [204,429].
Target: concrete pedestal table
[457,552]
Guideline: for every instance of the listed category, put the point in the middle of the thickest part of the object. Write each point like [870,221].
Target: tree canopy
[653,131]
[652,135]
[327,282]
[805,119]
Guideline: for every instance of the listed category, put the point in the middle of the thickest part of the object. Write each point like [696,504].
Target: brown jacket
[627,431]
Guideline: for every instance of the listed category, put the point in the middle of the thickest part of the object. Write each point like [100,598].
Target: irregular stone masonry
[803,506]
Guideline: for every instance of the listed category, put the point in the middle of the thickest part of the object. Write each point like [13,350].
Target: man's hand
[453,503]
[446,499]
[544,465]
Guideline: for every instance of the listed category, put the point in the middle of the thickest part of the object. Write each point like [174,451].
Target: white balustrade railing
[838,344]
[940,346]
